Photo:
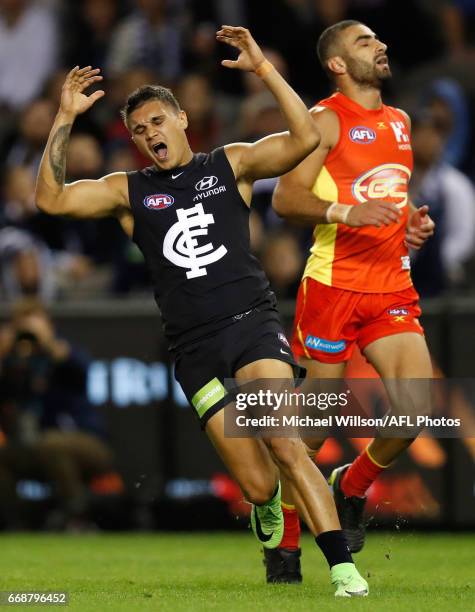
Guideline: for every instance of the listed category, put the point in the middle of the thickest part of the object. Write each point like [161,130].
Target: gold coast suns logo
[387,182]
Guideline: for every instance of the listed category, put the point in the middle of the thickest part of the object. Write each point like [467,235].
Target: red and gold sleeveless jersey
[371,161]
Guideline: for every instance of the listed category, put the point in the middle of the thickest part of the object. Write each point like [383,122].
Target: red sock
[360,475]
[291,538]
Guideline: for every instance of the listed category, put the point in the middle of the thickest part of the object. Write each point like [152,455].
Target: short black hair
[328,40]
[145,93]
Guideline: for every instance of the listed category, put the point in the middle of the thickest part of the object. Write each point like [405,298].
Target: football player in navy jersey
[188,213]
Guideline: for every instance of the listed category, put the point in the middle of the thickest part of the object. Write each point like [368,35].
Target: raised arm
[276,154]
[86,198]
[295,199]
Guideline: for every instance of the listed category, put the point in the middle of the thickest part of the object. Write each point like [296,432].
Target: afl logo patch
[158,201]
[362,135]
[398,311]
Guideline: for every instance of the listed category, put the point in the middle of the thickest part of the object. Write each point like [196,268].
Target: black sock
[333,545]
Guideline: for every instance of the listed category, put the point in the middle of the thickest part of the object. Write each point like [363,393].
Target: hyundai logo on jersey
[207,182]
[158,201]
[362,135]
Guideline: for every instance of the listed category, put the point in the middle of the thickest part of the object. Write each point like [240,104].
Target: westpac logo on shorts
[158,201]
[385,182]
[327,346]
[362,134]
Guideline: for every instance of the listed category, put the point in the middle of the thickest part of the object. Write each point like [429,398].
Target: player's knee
[401,444]
[287,452]
[390,448]
[313,445]
[258,492]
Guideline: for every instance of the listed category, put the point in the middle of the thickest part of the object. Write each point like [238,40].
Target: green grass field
[224,572]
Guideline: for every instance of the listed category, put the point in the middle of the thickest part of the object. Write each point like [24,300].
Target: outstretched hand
[420,228]
[73,99]
[250,56]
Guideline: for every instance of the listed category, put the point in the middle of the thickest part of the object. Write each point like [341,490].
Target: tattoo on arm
[57,153]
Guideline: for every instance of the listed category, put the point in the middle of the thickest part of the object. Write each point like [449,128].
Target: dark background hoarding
[159,446]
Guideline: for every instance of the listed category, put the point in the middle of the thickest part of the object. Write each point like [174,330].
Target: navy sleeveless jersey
[192,227]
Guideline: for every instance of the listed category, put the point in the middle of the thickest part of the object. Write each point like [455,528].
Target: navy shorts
[201,367]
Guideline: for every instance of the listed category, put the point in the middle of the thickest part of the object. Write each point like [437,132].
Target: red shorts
[329,321]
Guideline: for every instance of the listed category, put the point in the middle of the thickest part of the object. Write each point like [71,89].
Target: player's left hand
[420,228]
[74,100]
[250,56]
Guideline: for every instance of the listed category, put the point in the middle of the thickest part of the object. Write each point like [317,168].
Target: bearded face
[364,57]
[366,73]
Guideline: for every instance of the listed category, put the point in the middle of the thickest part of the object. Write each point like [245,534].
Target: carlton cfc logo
[158,201]
[386,182]
[362,135]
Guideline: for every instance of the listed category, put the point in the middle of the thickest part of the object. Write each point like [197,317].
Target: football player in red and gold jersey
[356,288]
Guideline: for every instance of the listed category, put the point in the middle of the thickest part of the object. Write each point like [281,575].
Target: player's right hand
[73,99]
[373,212]
[250,54]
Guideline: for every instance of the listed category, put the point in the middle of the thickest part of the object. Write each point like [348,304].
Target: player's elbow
[311,138]
[44,205]
[47,204]
[281,201]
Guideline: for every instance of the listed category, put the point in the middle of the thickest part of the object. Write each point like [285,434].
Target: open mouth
[382,61]
[161,150]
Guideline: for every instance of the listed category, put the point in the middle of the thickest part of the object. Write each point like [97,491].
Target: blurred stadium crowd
[44,410]
[172,42]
